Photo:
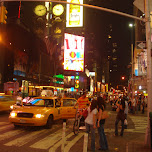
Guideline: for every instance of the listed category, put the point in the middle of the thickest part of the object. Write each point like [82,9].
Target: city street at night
[75,75]
[38,139]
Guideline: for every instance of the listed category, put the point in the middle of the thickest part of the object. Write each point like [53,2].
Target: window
[68,102]
[57,104]
[49,103]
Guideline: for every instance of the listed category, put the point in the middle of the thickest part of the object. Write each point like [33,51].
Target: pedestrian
[100,124]
[143,104]
[120,117]
[133,103]
[126,112]
[90,122]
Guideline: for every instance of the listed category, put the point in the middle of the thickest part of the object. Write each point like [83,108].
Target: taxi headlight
[39,116]
[11,107]
[13,114]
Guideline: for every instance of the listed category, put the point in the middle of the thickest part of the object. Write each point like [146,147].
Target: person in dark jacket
[120,117]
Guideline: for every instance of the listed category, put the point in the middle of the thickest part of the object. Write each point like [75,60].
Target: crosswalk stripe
[25,139]
[48,141]
[5,127]
[4,123]
[9,134]
[71,143]
[58,144]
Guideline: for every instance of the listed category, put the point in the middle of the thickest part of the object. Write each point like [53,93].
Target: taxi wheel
[49,122]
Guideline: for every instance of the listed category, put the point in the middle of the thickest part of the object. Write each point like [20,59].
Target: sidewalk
[132,141]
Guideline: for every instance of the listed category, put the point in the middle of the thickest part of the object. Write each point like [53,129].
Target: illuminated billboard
[73,52]
[74,14]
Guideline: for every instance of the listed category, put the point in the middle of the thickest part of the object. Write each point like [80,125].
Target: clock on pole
[58,9]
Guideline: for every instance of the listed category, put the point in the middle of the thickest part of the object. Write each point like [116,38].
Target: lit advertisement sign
[74,14]
[73,52]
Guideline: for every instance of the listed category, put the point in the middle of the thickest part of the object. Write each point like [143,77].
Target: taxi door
[67,108]
[53,109]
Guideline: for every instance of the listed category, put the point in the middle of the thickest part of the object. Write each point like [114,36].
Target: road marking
[48,141]
[71,143]
[58,144]
[4,123]
[25,139]
[9,134]
[5,127]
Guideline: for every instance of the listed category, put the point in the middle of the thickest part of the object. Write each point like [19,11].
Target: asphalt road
[38,139]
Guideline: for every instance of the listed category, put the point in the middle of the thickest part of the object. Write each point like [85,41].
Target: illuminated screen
[73,52]
[74,14]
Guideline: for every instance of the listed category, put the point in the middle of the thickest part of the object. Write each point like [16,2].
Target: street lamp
[132,59]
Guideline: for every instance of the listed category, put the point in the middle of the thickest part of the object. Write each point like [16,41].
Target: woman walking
[90,122]
[100,124]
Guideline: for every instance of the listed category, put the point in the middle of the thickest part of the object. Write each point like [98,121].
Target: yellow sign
[74,14]
[106,87]
[57,30]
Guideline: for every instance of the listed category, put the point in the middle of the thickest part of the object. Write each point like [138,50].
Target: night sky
[97,22]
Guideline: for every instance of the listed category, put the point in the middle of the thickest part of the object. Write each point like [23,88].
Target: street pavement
[50,140]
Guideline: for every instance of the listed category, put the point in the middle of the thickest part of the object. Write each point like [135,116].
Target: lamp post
[132,60]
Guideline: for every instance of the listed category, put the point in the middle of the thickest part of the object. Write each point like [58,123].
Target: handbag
[104,115]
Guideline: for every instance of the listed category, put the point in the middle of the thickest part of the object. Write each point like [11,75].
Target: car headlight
[39,116]
[13,114]
[11,107]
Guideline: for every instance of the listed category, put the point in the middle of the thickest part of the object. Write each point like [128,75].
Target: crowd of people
[93,121]
[136,104]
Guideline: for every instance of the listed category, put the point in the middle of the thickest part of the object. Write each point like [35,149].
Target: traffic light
[76,83]
[77,77]
[3,13]
[123,78]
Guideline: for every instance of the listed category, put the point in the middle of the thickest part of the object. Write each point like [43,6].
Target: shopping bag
[125,122]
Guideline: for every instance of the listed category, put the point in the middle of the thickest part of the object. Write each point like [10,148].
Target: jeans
[89,128]
[102,138]
[116,127]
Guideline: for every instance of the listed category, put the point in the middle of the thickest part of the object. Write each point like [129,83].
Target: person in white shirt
[90,122]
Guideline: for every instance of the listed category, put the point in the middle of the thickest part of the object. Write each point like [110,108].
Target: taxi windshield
[41,103]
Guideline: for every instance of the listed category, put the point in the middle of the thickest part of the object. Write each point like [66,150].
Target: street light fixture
[130,25]
[132,59]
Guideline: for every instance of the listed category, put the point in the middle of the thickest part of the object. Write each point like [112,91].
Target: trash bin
[150,116]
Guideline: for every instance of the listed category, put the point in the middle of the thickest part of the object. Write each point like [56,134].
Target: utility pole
[149,70]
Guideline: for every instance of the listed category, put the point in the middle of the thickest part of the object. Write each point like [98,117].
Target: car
[20,102]
[6,101]
[42,111]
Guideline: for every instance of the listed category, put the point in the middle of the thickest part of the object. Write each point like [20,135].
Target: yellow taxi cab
[41,111]
[6,101]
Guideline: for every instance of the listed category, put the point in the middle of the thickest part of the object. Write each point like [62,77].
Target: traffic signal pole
[149,70]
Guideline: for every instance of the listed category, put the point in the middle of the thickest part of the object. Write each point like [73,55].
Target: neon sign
[73,52]
[74,14]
